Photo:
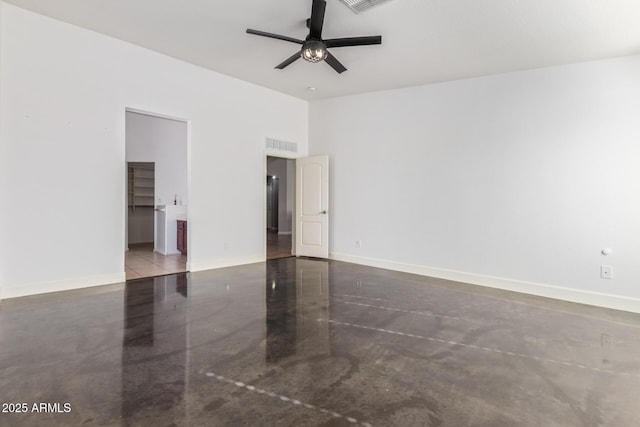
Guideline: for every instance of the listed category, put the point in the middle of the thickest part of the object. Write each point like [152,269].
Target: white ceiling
[423,41]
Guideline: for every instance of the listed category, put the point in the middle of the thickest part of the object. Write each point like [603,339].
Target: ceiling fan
[314,47]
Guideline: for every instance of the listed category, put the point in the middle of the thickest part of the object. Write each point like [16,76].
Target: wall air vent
[361,5]
[276,144]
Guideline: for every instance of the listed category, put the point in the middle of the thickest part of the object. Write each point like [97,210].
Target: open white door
[312,206]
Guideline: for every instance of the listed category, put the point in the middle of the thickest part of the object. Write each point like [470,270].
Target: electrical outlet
[358,244]
[606,272]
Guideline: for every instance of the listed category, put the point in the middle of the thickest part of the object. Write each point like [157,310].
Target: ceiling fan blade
[353,41]
[335,64]
[290,60]
[274,36]
[317,18]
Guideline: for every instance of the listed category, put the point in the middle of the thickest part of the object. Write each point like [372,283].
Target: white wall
[515,180]
[64,94]
[163,142]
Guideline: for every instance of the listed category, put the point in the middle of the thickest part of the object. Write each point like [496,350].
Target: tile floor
[298,342]
[141,261]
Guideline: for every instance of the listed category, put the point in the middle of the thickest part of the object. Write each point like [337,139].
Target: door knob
[323,212]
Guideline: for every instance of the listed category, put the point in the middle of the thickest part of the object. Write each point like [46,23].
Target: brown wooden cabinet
[182,237]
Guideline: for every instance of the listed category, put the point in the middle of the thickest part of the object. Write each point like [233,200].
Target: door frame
[189,199]
[286,156]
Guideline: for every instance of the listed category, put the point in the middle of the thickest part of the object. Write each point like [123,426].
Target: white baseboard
[617,302]
[224,262]
[61,285]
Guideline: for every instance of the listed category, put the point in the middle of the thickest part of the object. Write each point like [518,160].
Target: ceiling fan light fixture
[313,51]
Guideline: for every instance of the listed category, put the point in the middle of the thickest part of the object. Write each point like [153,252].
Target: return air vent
[276,144]
[361,5]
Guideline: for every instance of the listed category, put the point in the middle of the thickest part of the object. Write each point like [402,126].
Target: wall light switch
[606,272]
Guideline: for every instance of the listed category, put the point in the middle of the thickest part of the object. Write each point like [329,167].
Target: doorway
[156,216]
[280,190]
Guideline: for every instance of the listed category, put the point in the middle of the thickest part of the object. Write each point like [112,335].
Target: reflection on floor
[278,245]
[296,342]
[141,261]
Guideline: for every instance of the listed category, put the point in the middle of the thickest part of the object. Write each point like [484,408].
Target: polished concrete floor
[296,342]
